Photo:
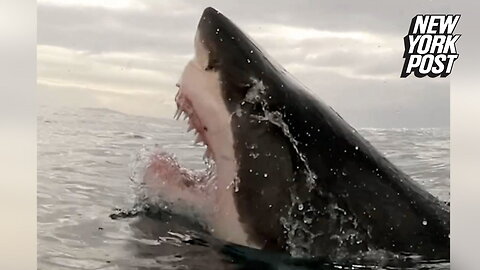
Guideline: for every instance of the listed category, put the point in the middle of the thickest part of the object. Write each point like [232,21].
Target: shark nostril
[177,85]
[205,128]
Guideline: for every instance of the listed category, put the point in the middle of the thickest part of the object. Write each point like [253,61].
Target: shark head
[234,96]
[228,86]
[222,90]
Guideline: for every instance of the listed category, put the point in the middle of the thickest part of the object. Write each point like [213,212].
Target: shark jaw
[200,102]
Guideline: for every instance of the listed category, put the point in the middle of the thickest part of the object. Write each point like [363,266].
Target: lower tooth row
[207,154]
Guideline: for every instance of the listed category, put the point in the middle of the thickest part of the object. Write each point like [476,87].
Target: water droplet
[307,220]
[248,60]
[356,147]
[254,155]
[424,223]
[251,146]
[300,207]
[265,175]
[236,183]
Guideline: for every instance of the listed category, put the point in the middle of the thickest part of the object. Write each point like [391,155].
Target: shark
[286,172]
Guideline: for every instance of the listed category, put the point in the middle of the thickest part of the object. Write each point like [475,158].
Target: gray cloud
[348,53]
[98,30]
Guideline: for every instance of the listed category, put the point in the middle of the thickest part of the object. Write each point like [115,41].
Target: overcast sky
[127,55]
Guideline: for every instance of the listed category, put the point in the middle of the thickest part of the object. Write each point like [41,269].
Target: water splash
[257,94]
[150,195]
[300,216]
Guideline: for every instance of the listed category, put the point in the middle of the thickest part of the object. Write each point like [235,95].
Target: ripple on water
[84,163]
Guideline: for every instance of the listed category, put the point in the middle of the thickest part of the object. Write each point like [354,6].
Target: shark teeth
[180,111]
[198,139]
[185,108]
[207,154]
[177,112]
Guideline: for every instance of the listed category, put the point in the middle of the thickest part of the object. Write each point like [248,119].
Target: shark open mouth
[200,103]
[164,172]
[164,169]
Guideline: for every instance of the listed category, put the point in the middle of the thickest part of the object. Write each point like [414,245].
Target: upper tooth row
[179,113]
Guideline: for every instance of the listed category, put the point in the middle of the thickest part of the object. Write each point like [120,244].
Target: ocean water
[86,161]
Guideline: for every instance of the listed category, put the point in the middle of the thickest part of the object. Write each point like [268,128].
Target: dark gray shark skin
[306,174]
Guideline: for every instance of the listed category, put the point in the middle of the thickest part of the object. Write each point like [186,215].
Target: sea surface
[87,159]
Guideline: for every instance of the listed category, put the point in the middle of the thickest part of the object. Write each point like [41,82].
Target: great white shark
[288,173]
